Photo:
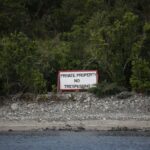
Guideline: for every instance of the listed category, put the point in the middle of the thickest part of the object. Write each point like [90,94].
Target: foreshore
[88,125]
[75,111]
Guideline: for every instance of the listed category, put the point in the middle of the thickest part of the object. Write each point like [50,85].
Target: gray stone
[14,106]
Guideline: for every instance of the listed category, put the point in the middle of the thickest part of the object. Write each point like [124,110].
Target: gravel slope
[74,107]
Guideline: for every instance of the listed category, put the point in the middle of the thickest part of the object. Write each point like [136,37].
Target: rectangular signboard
[77,79]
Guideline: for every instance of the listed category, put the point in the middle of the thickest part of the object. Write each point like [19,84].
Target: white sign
[74,80]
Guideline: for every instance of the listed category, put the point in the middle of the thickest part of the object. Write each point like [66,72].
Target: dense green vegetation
[40,37]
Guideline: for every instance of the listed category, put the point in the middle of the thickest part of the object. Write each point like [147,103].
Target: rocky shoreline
[75,110]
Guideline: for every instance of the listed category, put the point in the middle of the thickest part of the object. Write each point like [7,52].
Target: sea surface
[69,140]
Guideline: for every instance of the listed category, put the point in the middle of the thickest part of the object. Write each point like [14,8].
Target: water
[66,140]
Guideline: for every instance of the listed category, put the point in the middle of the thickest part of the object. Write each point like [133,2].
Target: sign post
[74,80]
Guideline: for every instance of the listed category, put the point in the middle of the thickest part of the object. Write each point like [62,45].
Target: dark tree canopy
[111,36]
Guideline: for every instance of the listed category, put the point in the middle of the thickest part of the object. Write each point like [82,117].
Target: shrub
[18,65]
[140,79]
[104,89]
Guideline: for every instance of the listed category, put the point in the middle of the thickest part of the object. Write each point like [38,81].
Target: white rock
[39,119]
[42,109]
[88,99]
[63,110]
[86,106]
[106,107]
[104,118]
[14,106]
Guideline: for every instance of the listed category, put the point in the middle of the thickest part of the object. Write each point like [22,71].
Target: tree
[13,16]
